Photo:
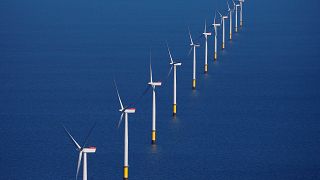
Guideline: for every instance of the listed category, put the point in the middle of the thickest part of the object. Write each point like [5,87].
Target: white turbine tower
[206,34]
[153,85]
[125,111]
[236,5]
[174,65]
[223,28]
[215,26]
[82,150]
[241,5]
[230,19]
[193,46]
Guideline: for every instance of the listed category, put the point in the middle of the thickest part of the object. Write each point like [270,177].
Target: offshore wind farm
[101,90]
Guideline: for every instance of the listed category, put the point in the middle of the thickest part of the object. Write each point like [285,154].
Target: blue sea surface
[254,116]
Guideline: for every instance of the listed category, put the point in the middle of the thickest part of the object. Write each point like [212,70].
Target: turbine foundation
[153,140]
[125,173]
[193,84]
[206,68]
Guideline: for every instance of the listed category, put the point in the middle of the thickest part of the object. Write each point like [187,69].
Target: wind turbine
[125,111]
[153,85]
[194,46]
[82,150]
[223,29]
[206,34]
[236,5]
[215,25]
[174,65]
[230,18]
[241,3]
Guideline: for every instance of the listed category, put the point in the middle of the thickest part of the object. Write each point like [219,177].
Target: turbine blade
[169,72]
[190,36]
[79,162]
[220,14]
[145,92]
[205,26]
[202,36]
[138,99]
[169,53]
[190,50]
[150,68]
[115,84]
[120,120]
[70,136]
[228,5]
[90,131]
[164,82]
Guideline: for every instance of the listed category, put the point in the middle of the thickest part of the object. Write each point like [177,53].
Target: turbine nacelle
[127,110]
[196,45]
[175,63]
[216,25]
[130,110]
[207,34]
[155,83]
[91,149]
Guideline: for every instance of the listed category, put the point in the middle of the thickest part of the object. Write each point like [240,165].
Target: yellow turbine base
[174,109]
[222,45]
[205,68]
[215,55]
[240,23]
[230,36]
[193,84]
[236,29]
[153,137]
[125,172]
